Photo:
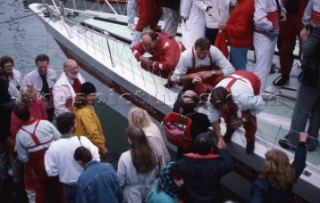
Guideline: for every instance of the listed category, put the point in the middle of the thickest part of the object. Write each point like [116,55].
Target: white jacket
[33,78]
[218,12]
[313,5]
[63,92]
[242,95]
[194,27]
[261,9]
[16,78]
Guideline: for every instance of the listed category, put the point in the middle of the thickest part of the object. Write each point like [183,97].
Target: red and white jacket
[64,94]
[167,53]
[266,16]
[312,13]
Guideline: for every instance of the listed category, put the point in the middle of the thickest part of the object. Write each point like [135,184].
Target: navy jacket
[263,192]
[98,183]
[203,174]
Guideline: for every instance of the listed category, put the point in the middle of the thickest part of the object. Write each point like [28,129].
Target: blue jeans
[70,193]
[238,57]
[131,11]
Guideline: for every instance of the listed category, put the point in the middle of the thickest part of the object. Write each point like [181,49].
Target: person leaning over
[98,182]
[164,49]
[278,177]
[240,90]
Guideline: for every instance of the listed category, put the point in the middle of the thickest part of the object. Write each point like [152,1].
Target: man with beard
[67,86]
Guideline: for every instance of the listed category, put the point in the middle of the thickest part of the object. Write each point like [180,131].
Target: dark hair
[153,35]
[65,121]
[4,85]
[41,57]
[202,43]
[143,157]
[203,144]
[219,97]
[82,154]
[6,59]
[22,111]
[172,170]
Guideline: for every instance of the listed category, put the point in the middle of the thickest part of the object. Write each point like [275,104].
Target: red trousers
[43,185]
[231,112]
[290,29]
[149,13]
[250,126]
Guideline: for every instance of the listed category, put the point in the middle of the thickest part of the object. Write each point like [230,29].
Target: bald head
[71,68]
[189,97]
[149,41]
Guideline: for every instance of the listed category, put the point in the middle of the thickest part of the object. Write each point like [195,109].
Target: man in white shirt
[59,159]
[43,79]
[202,63]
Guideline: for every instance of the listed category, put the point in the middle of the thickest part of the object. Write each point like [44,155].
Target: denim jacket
[98,183]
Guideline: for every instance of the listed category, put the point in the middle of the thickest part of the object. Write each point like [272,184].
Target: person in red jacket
[149,13]
[290,29]
[165,52]
[239,30]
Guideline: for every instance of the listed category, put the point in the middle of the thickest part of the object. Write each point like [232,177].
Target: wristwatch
[213,72]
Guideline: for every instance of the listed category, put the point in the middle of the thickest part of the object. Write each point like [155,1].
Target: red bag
[178,130]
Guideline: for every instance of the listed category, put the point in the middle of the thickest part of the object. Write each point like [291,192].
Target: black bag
[292,6]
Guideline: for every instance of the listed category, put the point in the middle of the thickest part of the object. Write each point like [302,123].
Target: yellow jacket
[88,124]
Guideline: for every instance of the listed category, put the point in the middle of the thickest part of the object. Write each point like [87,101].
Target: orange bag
[177,128]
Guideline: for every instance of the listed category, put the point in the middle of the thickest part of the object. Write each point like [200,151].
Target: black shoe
[227,136]
[311,144]
[250,146]
[285,144]
[281,81]
[169,85]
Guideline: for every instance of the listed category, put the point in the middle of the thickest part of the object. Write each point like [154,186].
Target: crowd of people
[52,138]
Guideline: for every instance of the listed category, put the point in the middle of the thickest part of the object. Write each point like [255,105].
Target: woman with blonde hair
[139,118]
[137,167]
[29,96]
[277,178]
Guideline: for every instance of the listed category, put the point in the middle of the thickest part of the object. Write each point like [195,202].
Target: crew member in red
[289,31]
[149,13]
[165,52]
[32,141]
[240,90]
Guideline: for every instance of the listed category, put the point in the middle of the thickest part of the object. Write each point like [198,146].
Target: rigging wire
[18,18]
